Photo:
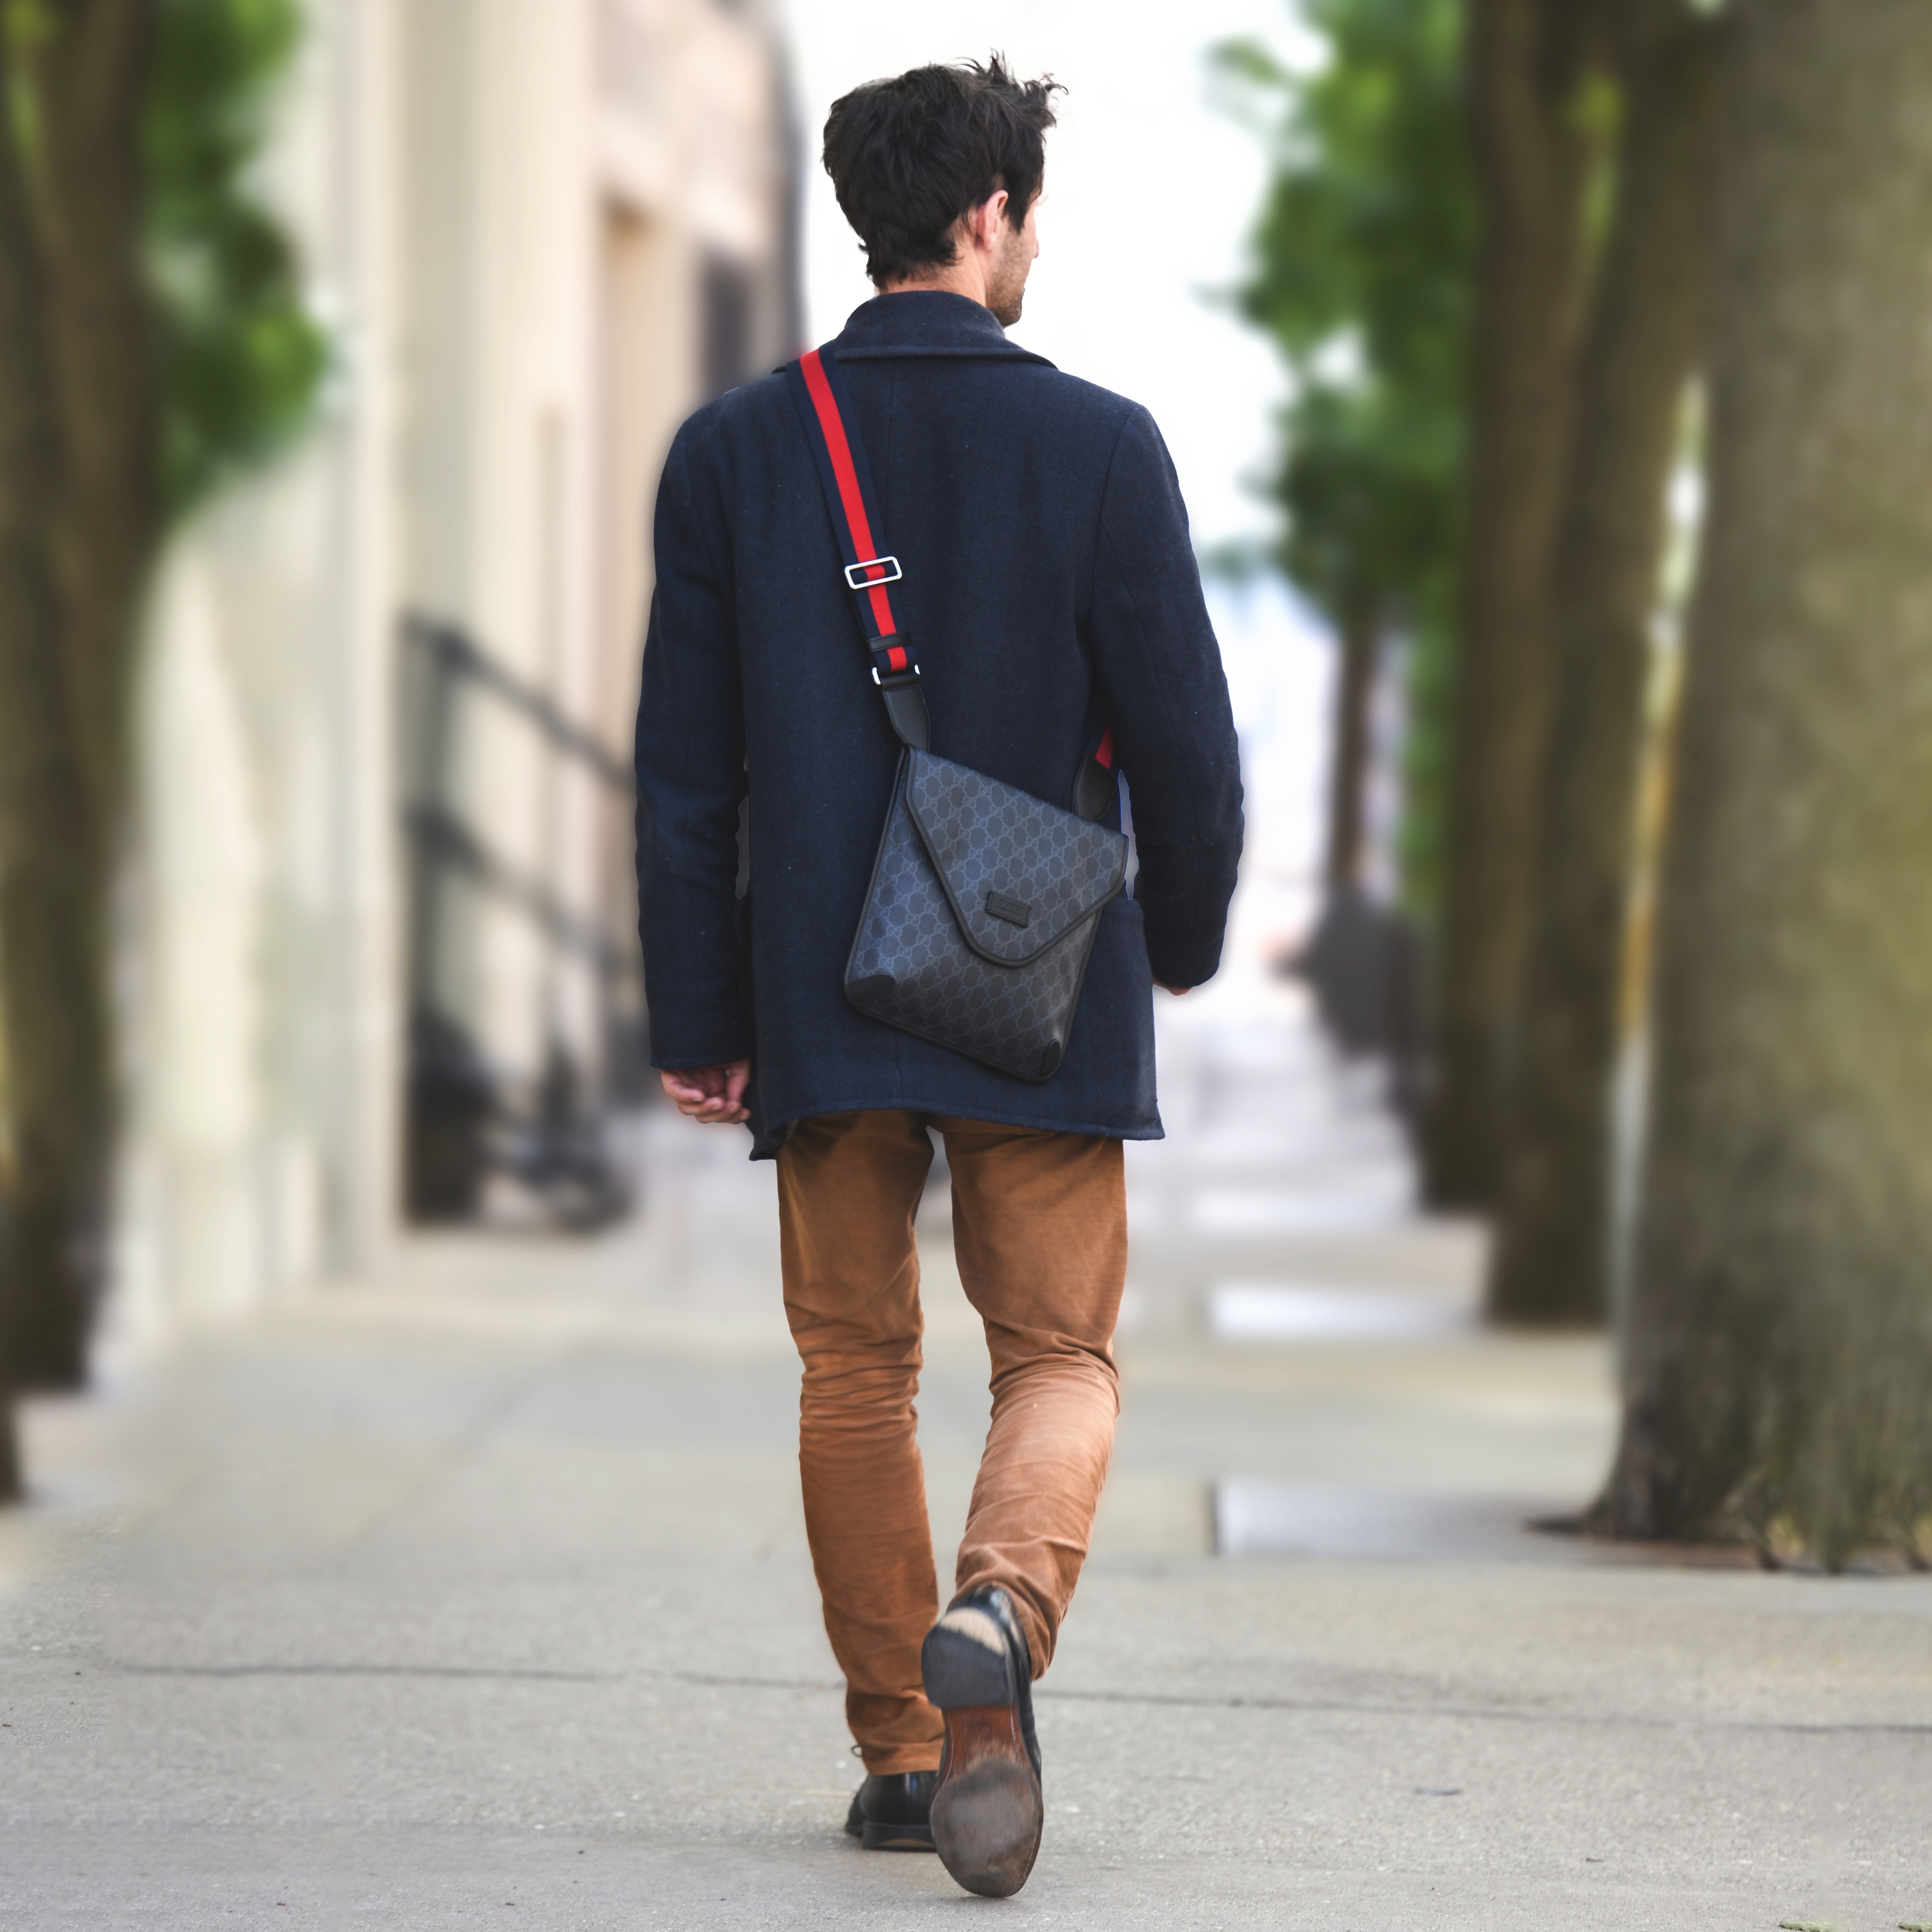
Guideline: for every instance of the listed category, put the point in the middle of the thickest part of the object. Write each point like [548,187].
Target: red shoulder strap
[818,389]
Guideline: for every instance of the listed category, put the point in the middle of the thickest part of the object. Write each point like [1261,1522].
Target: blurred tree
[53,837]
[10,1449]
[1537,122]
[242,359]
[152,339]
[1644,337]
[1781,1342]
[47,917]
[1361,273]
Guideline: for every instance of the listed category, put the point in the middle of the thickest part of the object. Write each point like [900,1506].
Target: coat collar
[925,322]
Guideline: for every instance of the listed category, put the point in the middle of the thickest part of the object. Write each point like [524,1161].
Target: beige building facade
[385,718]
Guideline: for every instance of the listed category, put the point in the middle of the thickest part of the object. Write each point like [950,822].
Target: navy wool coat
[1050,587]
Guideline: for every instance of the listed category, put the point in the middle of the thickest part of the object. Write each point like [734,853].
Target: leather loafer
[987,1808]
[892,1812]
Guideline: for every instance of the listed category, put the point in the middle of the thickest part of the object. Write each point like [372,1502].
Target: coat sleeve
[691,779]
[1159,668]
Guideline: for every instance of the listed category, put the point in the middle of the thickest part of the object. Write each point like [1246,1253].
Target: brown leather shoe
[987,1807]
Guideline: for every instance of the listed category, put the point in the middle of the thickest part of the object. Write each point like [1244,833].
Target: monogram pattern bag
[985,900]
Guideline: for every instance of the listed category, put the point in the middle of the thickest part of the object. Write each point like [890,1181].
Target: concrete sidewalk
[481,1595]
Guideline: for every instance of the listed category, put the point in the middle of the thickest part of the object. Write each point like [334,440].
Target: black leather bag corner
[981,916]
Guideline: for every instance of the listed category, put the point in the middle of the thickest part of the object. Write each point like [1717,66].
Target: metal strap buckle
[897,677]
[872,563]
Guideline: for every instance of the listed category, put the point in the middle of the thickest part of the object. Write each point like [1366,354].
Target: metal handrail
[442,837]
[454,650]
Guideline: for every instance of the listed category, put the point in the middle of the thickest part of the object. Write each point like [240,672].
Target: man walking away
[1048,613]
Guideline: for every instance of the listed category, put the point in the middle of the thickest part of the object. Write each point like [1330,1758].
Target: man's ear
[984,223]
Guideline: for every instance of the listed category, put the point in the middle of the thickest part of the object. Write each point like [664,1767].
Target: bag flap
[1020,873]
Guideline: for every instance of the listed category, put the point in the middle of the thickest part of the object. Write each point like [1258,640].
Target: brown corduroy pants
[1039,1228]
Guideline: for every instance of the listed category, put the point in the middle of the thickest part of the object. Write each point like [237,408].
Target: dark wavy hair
[908,156]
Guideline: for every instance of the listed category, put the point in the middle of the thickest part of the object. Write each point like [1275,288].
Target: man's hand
[1176,990]
[712,1095]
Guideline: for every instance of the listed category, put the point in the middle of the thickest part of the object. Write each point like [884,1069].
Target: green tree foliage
[1362,259]
[242,359]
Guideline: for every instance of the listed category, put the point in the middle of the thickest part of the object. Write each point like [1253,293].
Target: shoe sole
[987,1814]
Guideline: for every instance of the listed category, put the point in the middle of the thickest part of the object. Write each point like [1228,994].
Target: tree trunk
[1532,158]
[78,380]
[1646,325]
[51,981]
[93,189]
[1348,777]
[1780,1345]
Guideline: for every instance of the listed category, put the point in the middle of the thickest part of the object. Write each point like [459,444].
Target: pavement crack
[459,1671]
[1157,1699]
[709,1680]
[1497,1712]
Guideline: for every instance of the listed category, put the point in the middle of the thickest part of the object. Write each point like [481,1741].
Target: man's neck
[962,279]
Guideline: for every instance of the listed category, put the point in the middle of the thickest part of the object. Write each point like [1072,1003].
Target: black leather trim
[1095,791]
[905,706]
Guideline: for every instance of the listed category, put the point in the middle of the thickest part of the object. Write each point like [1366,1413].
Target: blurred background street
[1522,1501]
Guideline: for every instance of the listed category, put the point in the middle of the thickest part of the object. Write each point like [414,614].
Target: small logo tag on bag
[1015,912]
